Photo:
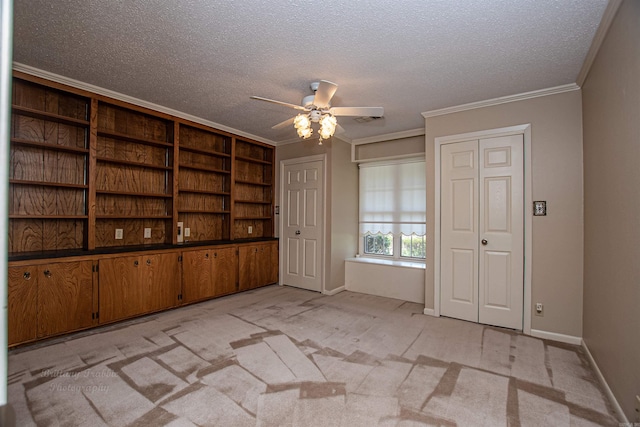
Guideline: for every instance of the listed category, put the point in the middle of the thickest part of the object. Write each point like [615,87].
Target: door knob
[297,232]
[484,242]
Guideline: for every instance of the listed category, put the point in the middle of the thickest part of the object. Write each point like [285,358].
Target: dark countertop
[124,249]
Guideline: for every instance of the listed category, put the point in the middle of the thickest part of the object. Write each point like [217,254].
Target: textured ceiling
[206,57]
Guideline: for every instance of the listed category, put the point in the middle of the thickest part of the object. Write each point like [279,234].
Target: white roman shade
[393,197]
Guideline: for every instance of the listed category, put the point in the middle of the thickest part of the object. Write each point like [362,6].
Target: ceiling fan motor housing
[315,115]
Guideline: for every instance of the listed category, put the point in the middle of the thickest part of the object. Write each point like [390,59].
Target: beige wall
[611,111]
[390,148]
[557,241]
[341,240]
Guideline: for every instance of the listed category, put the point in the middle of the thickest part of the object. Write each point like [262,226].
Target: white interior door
[482,231]
[302,225]
[459,236]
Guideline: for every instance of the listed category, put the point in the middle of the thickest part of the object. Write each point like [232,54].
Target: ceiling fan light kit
[317,109]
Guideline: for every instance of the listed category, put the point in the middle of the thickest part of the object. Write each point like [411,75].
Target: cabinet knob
[135,263]
[47,273]
[215,254]
[206,255]
[27,275]
[148,262]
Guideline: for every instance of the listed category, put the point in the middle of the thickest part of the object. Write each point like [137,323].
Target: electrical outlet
[187,232]
[250,230]
[119,234]
[539,309]
[147,233]
[180,236]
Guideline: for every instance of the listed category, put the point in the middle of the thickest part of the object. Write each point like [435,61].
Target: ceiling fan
[317,109]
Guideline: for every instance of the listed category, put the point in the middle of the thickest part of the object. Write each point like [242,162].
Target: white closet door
[501,275]
[459,230]
[482,231]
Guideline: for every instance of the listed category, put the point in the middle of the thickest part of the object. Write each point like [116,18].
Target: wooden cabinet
[138,284]
[253,190]
[22,304]
[49,299]
[204,183]
[209,273]
[258,265]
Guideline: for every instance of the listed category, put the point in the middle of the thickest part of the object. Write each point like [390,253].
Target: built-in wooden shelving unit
[86,169]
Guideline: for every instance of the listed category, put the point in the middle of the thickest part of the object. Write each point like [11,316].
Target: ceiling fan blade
[286,104]
[357,111]
[324,94]
[284,124]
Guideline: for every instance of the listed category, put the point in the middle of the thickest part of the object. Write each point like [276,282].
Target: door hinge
[179,258]
[95,316]
[95,268]
[179,297]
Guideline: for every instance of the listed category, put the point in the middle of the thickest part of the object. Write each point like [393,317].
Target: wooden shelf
[47,146]
[213,193]
[204,168]
[131,163]
[263,184]
[199,211]
[253,202]
[43,115]
[47,184]
[134,194]
[203,151]
[134,139]
[122,216]
[252,160]
[20,216]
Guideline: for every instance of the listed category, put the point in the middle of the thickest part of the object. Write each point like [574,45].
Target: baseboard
[334,291]
[429,312]
[568,339]
[614,402]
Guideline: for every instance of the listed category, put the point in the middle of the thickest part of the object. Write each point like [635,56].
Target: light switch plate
[119,234]
[540,208]
[147,233]
[187,232]
[250,230]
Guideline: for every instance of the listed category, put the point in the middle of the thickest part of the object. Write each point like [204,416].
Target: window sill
[395,263]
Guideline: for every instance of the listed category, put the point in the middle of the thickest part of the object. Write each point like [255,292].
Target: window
[392,209]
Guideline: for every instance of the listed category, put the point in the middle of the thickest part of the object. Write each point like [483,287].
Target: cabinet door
[22,304]
[65,297]
[197,283]
[161,281]
[120,288]
[225,270]
[272,268]
[247,266]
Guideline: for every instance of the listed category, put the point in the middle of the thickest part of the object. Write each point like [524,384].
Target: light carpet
[280,356]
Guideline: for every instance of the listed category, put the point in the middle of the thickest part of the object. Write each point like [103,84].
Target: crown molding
[27,69]
[598,38]
[389,136]
[502,100]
